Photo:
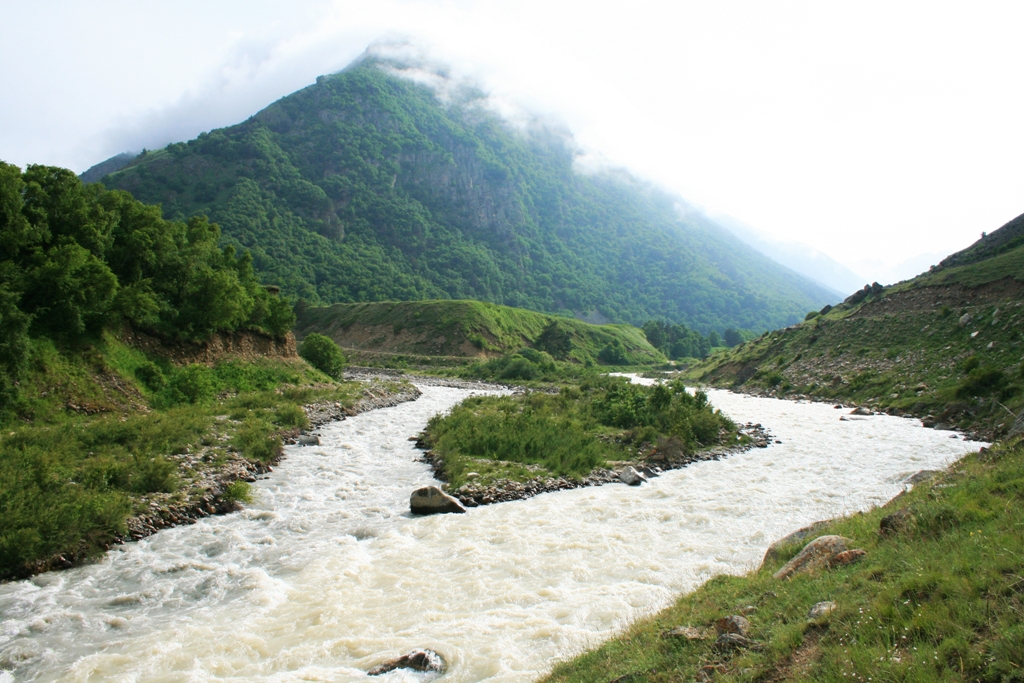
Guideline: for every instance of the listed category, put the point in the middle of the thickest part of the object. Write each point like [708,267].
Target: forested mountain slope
[945,345]
[368,186]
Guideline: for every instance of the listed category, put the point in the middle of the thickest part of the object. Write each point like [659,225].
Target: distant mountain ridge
[367,186]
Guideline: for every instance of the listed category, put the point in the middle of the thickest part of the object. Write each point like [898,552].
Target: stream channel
[327,574]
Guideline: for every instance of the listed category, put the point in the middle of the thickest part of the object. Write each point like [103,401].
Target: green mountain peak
[369,185]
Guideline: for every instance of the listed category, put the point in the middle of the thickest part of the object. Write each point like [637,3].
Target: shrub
[613,354]
[323,354]
[981,382]
[151,376]
[191,384]
[812,315]
[237,492]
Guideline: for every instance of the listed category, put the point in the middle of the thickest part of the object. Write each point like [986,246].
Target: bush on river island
[571,433]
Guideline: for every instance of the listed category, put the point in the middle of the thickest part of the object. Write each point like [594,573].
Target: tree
[323,354]
[733,337]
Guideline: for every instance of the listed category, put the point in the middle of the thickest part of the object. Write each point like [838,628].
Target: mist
[857,131]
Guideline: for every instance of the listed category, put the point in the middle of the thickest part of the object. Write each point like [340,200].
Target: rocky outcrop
[242,344]
[430,500]
[417,660]
[772,553]
[821,553]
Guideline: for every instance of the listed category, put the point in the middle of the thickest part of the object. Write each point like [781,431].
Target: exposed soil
[244,345]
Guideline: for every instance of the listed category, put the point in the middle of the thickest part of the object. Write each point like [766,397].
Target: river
[327,574]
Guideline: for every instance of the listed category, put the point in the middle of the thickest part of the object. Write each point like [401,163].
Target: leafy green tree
[323,354]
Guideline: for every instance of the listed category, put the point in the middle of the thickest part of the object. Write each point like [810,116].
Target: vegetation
[88,454]
[570,433]
[435,331]
[940,600]
[947,343]
[367,187]
[323,354]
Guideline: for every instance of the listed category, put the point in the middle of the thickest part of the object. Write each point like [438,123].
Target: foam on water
[327,574]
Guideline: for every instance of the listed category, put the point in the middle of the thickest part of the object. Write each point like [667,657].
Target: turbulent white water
[327,574]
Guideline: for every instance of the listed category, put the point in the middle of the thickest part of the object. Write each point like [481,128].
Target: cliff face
[369,187]
[242,345]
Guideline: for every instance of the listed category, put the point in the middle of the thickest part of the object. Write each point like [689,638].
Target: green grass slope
[947,343]
[368,187]
[444,330]
[939,600]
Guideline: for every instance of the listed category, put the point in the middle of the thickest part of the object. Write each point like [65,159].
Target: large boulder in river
[820,553]
[431,500]
[631,476]
[417,660]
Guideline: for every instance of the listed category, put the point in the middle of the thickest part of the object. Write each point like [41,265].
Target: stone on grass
[896,522]
[732,624]
[816,555]
[431,500]
[822,609]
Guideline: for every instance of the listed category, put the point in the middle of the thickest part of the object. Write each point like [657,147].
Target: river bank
[326,574]
[211,473]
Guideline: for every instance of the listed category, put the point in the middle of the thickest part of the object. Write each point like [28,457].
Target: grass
[524,436]
[942,600]
[909,361]
[92,438]
[463,328]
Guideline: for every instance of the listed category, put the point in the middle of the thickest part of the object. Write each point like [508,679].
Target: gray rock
[417,660]
[800,534]
[965,320]
[822,609]
[922,476]
[893,523]
[309,440]
[817,554]
[630,476]
[431,500]
[860,410]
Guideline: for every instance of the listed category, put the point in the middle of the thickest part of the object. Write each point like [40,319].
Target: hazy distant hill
[802,258]
[369,186]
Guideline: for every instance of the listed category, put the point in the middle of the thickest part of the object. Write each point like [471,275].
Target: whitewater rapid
[327,574]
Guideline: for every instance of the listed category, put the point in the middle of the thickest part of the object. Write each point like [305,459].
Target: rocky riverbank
[504,490]
[210,477]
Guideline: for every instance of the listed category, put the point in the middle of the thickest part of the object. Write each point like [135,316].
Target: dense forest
[368,186]
[76,259]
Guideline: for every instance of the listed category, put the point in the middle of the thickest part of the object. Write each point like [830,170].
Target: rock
[896,522]
[309,440]
[734,641]
[472,475]
[417,660]
[860,410]
[688,632]
[940,425]
[732,624]
[848,557]
[965,320]
[822,609]
[928,421]
[991,345]
[630,476]
[431,500]
[648,472]
[815,555]
[838,406]
[800,534]
[922,476]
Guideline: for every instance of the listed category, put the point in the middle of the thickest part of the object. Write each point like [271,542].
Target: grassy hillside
[939,599]
[945,344]
[368,187]
[439,330]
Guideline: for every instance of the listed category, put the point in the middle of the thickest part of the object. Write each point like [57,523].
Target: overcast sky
[875,132]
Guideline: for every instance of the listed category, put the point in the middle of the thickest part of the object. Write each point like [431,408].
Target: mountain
[371,186]
[111,165]
[945,345]
[800,257]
